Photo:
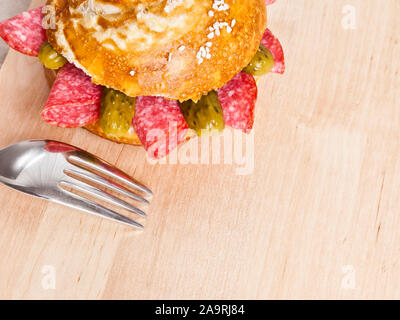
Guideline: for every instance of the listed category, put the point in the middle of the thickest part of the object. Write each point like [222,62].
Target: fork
[57,172]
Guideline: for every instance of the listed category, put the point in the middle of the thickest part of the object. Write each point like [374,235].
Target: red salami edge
[159,124]
[74,101]
[238,100]
[272,44]
[24,33]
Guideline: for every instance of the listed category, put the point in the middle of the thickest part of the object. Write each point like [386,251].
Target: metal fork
[57,172]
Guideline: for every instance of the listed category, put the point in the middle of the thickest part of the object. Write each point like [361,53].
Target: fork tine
[113,172]
[105,183]
[91,207]
[102,195]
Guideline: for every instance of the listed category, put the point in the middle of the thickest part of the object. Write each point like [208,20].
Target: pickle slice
[262,62]
[117,111]
[50,58]
[204,116]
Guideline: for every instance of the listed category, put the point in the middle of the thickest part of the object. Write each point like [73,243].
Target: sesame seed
[214,30]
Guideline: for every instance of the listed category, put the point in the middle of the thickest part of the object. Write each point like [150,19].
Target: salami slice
[238,99]
[74,101]
[159,124]
[272,44]
[24,32]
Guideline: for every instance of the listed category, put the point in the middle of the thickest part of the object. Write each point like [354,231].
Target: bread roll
[177,49]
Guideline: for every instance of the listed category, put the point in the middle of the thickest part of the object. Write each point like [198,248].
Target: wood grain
[324,193]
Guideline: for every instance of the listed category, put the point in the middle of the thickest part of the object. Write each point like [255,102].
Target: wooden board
[318,218]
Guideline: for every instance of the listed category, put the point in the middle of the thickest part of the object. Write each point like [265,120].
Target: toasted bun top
[178,49]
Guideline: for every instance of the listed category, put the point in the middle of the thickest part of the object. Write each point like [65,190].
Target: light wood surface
[318,218]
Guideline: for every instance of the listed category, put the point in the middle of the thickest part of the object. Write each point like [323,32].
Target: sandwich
[150,72]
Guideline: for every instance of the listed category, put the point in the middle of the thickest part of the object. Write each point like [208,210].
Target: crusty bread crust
[161,56]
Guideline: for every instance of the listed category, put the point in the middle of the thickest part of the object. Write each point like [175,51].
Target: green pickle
[204,116]
[117,111]
[262,63]
[50,58]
